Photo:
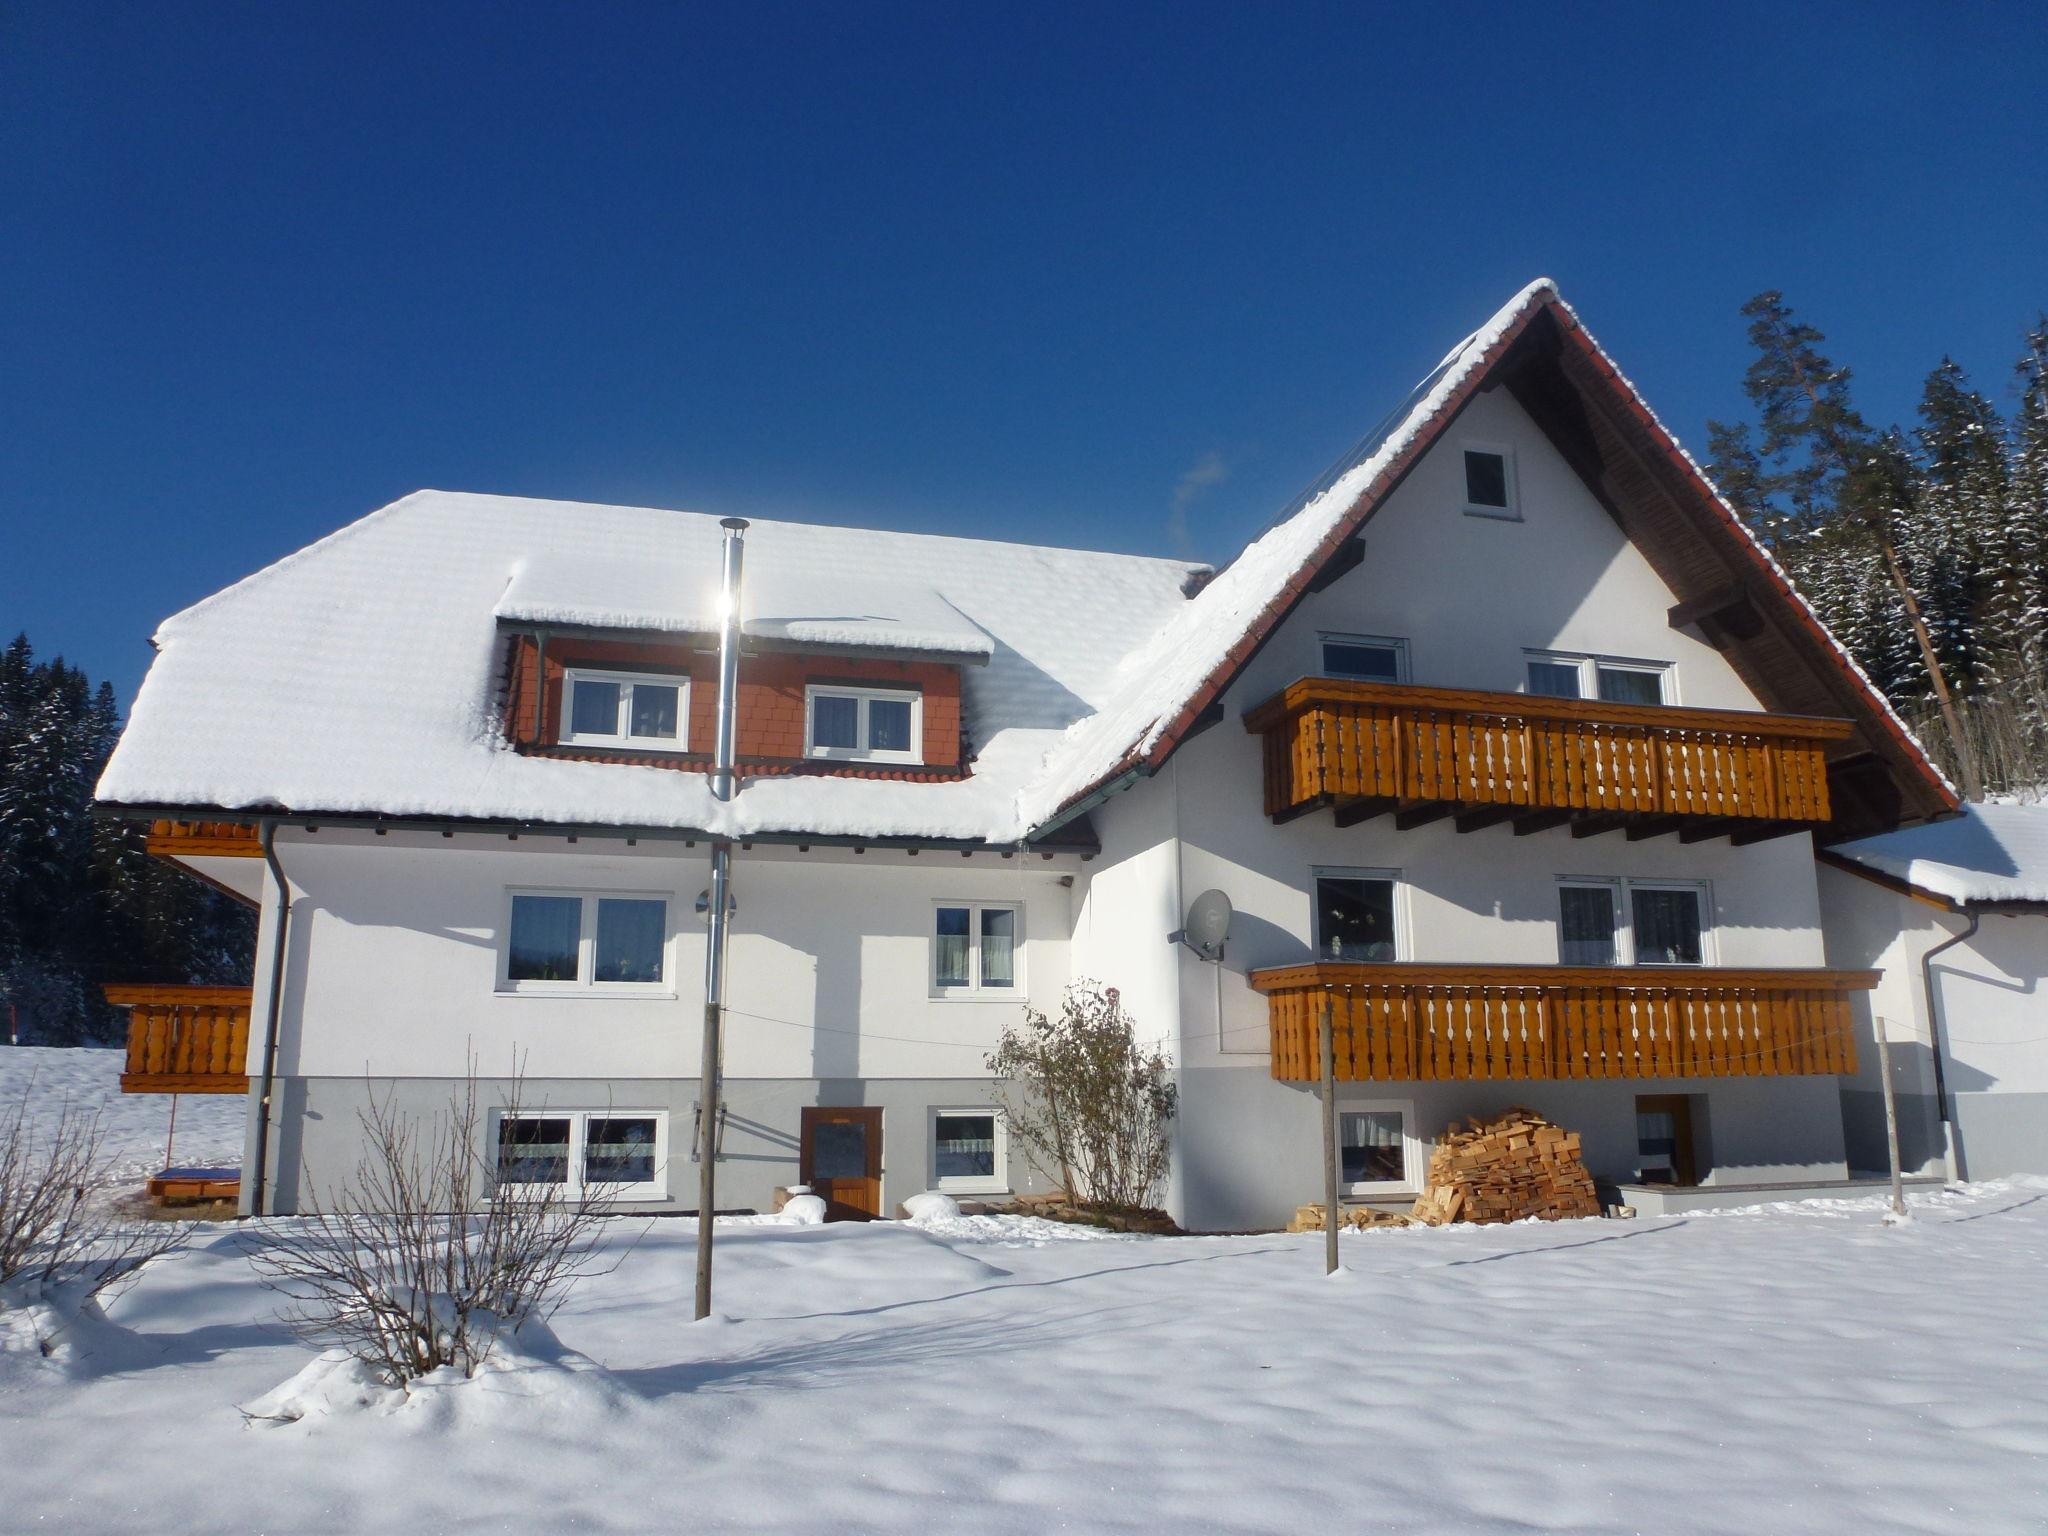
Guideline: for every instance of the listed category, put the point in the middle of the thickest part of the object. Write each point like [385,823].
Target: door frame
[869,1115]
[1685,1163]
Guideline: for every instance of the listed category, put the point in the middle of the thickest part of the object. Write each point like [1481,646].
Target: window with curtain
[1559,675]
[1666,925]
[974,947]
[546,938]
[1355,917]
[1586,925]
[563,941]
[581,1151]
[623,709]
[861,724]
[965,1149]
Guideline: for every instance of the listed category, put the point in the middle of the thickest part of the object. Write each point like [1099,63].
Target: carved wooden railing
[1329,741]
[1411,1022]
[184,1039]
[209,839]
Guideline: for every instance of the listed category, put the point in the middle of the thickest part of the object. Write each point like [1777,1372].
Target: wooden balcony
[1409,1022]
[1367,749]
[204,839]
[185,1039]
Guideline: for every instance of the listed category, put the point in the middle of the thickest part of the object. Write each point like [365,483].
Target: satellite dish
[1208,925]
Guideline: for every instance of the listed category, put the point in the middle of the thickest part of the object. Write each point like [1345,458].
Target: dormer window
[864,725]
[1490,481]
[625,709]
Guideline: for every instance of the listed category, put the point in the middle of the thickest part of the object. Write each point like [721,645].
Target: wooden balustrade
[1330,741]
[207,839]
[1410,1022]
[185,1039]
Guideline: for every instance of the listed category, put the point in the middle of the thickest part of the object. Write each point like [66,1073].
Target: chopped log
[1509,1168]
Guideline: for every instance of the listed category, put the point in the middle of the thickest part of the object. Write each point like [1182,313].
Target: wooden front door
[1664,1139]
[841,1159]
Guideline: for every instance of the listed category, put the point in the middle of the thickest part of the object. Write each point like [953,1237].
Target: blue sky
[1123,276]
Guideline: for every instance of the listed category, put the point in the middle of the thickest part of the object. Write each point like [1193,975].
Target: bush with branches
[64,1244]
[424,1258]
[1089,1103]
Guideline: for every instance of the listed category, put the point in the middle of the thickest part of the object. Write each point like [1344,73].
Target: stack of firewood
[1513,1166]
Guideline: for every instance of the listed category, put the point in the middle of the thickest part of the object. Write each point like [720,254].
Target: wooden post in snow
[1330,1158]
[1891,1114]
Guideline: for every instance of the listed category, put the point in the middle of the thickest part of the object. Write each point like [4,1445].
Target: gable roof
[360,676]
[1994,854]
[1727,583]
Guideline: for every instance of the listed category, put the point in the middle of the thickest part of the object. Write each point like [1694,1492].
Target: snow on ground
[133,1125]
[1784,1370]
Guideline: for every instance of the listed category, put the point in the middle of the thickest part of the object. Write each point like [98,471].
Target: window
[565,942]
[968,1151]
[1555,675]
[974,948]
[625,709]
[1355,915]
[586,1152]
[1373,1146]
[875,725]
[1631,922]
[1368,658]
[1490,481]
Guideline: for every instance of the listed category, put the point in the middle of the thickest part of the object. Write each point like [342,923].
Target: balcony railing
[1367,748]
[1410,1022]
[185,1039]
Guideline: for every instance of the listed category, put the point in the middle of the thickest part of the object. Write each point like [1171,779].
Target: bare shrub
[427,1259]
[1090,1104]
[63,1242]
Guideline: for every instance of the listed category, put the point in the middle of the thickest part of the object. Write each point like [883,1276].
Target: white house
[1507,744]
[1955,914]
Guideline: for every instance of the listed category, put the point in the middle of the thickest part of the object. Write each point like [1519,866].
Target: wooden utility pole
[1331,1184]
[1891,1115]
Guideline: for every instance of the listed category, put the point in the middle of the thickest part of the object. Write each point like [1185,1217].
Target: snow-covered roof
[1996,852]
[673,596]
[363,675]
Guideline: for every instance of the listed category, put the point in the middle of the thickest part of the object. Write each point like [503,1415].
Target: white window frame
[623,737]
[866,696]
[996,1184]
[1589,666]
[1394,643]
[1512,512]
[579,1133]
[1413,1160]
[1620,889]
[974,991]
[1403,946]
[586,948]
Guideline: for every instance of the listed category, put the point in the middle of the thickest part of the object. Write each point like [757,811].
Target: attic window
[624,709]
[1368,658]
[865,725]
[1490,481]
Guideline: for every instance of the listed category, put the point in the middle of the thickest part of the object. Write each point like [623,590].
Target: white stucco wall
[395,940]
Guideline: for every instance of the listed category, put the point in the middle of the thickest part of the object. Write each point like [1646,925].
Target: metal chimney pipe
[720,902]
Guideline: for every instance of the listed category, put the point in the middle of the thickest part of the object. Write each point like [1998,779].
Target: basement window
[1373,1146]
[624,709]
[864,725]
[976,948]
[968,1151]
[582,1153]
[1490,481]
[584,943]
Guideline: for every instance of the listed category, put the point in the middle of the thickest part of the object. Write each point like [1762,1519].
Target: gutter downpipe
[273,1012]
[719,902]
[1951,1149]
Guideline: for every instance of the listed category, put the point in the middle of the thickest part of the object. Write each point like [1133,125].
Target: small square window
[1489,481]
[835,722]
[594,707]
[1586,925]
[1666,925]
[534,1149]
[546,935]
[1355,918]
[975,948]
[968,1155]
[619,1149]
[1373,1147]
[1554,679]
[631,938]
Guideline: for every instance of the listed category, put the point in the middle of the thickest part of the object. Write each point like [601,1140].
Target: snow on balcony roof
[680,596]
[365,674]
[1994,852]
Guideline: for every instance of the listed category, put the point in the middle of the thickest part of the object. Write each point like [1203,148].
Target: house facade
[1508,747]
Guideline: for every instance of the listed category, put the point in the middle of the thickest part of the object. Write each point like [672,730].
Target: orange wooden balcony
[1410,1022]
[1421,753]
[204,839]
[185,1039]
